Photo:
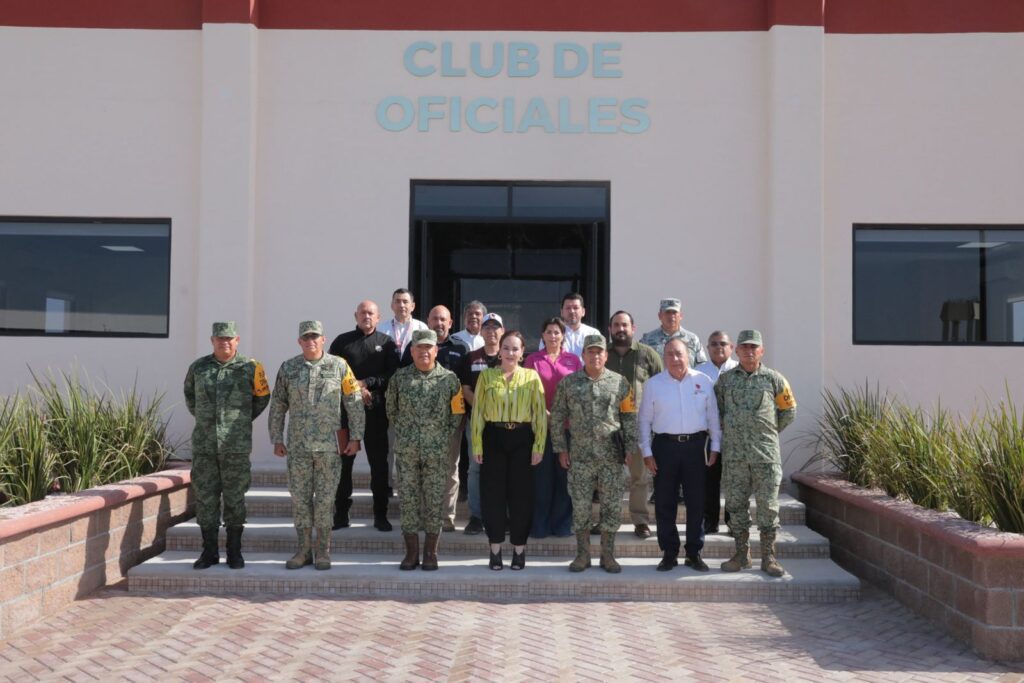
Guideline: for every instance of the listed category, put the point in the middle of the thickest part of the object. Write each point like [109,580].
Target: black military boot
[211,554]
[234,547]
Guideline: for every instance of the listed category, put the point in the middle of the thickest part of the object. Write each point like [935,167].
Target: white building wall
[920,129]
[105,123]
[289,201]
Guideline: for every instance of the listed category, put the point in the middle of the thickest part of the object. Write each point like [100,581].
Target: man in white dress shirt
[678,421]
[401,327]
[575,330]
[472,316]
[720,348]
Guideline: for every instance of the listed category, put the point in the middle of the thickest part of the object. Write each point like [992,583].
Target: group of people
[549,432]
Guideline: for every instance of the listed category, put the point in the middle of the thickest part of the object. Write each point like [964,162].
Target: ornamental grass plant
[66,435]
[973,466]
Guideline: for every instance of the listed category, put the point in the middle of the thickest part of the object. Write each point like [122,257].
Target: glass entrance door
[517,247]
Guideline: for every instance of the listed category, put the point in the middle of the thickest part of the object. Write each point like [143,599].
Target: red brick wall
[966,578]
[59,549]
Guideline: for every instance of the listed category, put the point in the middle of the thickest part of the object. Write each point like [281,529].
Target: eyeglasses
[719,343]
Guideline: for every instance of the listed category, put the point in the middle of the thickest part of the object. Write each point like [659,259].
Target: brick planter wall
[967,578]
[59,549]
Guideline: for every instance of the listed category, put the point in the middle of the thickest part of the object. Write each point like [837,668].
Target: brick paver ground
[114,635]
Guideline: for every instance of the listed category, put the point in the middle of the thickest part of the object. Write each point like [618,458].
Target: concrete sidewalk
[115,635]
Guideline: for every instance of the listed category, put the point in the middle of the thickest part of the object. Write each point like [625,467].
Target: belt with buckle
[510,426]
[683,438]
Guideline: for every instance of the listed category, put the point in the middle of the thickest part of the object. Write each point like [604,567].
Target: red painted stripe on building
[660,16]
[924,16]
[138,14]
[230,11]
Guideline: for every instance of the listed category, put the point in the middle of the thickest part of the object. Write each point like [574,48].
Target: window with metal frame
[938,284]
[98,277]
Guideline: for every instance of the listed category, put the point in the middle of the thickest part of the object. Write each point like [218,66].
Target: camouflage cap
[225,329]
[749,337]
[311,327]
[424,337]
[595,340]
[670,305]
[492,317]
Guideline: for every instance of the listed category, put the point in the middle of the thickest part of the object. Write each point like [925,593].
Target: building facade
[845,176]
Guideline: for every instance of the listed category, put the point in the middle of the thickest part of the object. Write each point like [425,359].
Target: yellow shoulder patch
[349,385]
[458,403]
[260,387]
[784,400]
[628,404]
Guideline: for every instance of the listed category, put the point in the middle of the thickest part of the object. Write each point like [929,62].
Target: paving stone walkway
[114,636]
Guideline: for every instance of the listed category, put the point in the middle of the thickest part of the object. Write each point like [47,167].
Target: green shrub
[974,467]
[999,477]
[69,435]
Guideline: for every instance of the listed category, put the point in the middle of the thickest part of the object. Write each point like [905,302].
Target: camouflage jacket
[657,339]
[637,365]
[314,393]
[225,398]
[424,407]
[595,409]
[754,408]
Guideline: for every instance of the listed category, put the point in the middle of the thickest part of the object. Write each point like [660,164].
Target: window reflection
[937,285]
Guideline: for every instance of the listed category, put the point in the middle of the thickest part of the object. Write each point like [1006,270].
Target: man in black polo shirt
[372,356]
[452,354]
[485,357]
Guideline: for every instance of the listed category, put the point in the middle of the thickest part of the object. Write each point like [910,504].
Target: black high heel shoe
[496,563]
[518,560]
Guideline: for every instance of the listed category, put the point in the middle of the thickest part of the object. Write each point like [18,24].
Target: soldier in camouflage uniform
[424,404]
[670,313]
[599,406]
[755,404]
[225,392]
[314,388]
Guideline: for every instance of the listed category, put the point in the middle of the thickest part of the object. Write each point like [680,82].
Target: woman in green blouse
[508,428]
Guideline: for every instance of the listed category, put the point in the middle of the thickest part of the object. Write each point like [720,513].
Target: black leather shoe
[341,521]
[696,562]
[668,562]
[496,563]
[473,527]
[382,524]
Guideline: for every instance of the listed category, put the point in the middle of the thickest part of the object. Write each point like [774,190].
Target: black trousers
[375,443]
[713,495]
[506,483]
[679,463]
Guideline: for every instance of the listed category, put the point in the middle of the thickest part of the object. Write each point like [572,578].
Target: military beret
[311,327]
[225,329]
[749,337]
[420,337]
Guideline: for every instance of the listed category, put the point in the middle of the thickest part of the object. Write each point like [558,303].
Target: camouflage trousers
[607,475]
[740,480]
[422,486]
[216,476]
[313,478]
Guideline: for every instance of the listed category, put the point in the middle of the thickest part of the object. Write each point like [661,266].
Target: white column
[794,342]
[227,190]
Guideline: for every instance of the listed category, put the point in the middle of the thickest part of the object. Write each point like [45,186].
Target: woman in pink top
[552,509]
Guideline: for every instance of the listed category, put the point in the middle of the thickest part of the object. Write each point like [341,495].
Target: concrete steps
[366,562]
[544,579]
[277,535]
[275,501]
